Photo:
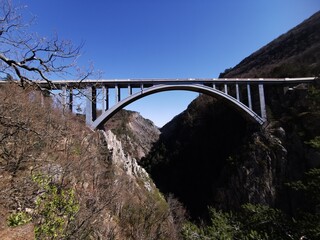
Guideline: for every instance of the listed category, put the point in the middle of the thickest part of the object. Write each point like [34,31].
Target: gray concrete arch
[242,108]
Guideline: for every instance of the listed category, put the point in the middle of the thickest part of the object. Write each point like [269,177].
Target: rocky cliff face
[210,155]
[136,133]
[126,163]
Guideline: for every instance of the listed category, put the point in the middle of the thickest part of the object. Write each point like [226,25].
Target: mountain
[211,156]
[136,133]
[293,54]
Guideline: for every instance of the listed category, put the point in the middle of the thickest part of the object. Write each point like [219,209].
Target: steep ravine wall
[254,173]
[210,155]
[125,162]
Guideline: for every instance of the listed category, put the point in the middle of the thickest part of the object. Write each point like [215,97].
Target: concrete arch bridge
[245,95]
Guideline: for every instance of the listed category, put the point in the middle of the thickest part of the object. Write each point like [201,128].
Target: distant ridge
[293,54]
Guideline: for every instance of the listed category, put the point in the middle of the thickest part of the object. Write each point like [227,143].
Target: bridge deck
[58,84]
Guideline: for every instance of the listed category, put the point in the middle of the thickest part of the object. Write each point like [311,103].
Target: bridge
[245,95]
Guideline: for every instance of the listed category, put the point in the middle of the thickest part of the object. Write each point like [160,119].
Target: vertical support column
[141,86]
[89,106]
[214,86]
[249,96]
[105,93]
[117,93]
[64,97]
[262,102]
[94,103]
[129,90]
[70,99]
[237,92]
[225,88]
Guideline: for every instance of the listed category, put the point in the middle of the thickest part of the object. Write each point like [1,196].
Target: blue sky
[167,38]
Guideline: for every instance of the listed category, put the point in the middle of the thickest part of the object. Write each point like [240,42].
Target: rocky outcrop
[125,163]
[136,133]
[254,174]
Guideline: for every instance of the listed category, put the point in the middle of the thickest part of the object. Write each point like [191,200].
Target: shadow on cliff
[192,151]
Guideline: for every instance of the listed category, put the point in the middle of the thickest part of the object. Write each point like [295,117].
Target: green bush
[55,209]
[17,219]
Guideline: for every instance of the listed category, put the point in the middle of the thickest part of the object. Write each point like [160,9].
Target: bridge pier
[237,92]
[118,97]
[65,100]
[91,105]
[225,88]
[249,96]
[262,102]
[129,90]
[70,99]
[64,97]
[105,94]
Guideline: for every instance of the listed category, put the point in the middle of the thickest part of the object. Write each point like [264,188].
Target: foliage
[314,98]
[17,219]
[221,226]
[310,185]
[147,220]
[252,222]
[263,221]
[315,143]
[55,209]
[308,219]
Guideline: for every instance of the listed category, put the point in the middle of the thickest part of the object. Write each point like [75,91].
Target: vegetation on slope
[61,177]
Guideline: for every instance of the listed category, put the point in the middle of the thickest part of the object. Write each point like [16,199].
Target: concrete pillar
[249,96]
[105,94]
[225,88]
[117,93]
[237,92]
[94,103]
[141,86]
[129,90]
[91,105]
[64,96]
[70,99]
[262,102]
[213,86]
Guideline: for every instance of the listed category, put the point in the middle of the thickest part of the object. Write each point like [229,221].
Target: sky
[167,38]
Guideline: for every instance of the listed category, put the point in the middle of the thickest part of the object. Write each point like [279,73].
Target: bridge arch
[242,108]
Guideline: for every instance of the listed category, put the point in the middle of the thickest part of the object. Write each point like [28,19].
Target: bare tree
[26,56]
